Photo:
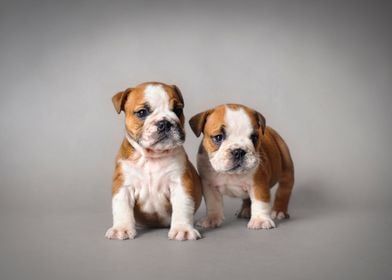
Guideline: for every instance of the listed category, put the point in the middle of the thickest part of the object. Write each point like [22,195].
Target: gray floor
[316,243]
[319,71]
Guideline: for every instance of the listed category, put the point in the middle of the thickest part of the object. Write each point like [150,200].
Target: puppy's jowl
[239,156]
[154,184]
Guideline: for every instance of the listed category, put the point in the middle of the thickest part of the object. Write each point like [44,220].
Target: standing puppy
[154,184]
[241,157]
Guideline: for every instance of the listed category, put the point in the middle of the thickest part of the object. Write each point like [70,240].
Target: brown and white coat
[241,157]
[154,183]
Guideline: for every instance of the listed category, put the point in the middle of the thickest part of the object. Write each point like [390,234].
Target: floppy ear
[119,99]
[198,121]
[179,94]
[260,121]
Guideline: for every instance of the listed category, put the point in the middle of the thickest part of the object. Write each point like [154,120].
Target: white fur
[260,213]
[238,130]
[123,218]
[149,179]
[182,218]
[238,125]
[157,97]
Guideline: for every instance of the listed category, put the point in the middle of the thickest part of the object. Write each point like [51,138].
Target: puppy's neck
[140,151]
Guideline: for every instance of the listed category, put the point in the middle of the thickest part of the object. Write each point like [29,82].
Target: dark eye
[141,114]
[218,138]
[177,111]
[254,137]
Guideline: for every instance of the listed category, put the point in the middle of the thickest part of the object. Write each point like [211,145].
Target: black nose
[238,154]
[163,125]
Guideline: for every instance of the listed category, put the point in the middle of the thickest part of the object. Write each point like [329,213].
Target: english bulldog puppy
[154,183]
[240,156]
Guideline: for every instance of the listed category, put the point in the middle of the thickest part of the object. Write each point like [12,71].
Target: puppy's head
[153,115]
[232,135]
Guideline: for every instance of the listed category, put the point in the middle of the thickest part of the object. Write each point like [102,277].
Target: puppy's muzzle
[167,129]
[238,156]
[163,126]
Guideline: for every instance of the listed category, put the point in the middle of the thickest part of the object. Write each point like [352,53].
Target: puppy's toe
[210,221]
[279,215]
[261,223]
[120,233]
[183,232]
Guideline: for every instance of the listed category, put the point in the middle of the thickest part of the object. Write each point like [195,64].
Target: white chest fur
[150,180]
[233,185]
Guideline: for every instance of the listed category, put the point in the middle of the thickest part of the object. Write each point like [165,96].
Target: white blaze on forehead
[157,97]
[158,100]
[238,124]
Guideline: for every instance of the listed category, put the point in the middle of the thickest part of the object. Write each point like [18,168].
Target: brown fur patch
[125,152]
[118,179]
[192,184]
[135,102]
[119,99]
[214,125]
[276,165]
[150,219]
[261,186]
[198,121]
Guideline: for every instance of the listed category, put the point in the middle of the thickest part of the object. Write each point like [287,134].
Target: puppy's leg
[282,196]
[123,217]
[214,204]
[260,207]
[245,209]
[286,181]
[183,207]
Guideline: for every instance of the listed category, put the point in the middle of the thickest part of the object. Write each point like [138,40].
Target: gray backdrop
[320,72]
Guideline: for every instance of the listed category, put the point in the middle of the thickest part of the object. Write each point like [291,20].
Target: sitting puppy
[154,184]
[239,156]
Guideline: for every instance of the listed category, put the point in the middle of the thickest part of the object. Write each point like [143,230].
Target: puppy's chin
[165,144]
[159,143]
[226,165]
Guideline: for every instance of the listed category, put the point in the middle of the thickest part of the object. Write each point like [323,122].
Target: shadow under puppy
[154,183]
[239,156]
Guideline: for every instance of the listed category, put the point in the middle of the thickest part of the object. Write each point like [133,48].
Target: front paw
[211,221]
[264,222]
[120,233]
[183,232]
[280,215]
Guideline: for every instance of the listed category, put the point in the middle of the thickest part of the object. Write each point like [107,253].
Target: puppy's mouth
[168,140]
[177,136]
[241,167]
[160,139]
[235,167]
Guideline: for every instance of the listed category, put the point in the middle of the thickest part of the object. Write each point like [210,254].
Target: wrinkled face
[231,138]
[154,117]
